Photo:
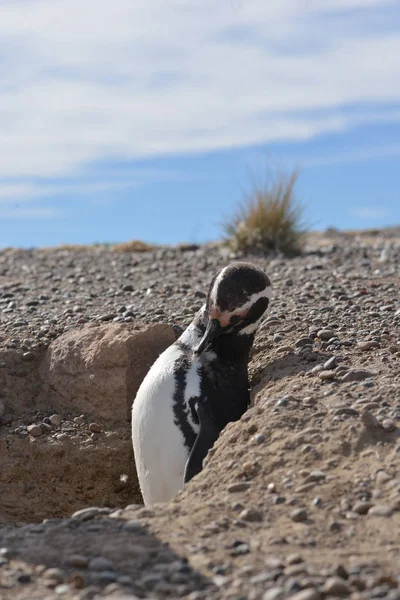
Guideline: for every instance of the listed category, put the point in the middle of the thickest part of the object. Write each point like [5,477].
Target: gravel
[291,496]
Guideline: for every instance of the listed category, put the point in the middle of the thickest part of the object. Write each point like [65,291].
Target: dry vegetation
[268,219]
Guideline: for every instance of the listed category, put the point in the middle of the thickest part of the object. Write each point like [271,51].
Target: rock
[274,593]
[95,428]
[331,363]
[356,375]
[304,341]
[55,420]
[362,507]
[388,425]
[315,476]
[369,420]
[326,375]
[380,510]
[307,594]
[325,334]
[98,369]
[79,561]
[34,430]
[251,515]
[85,514]
[368,345]
[299,515]
[336,586]
[99,563]
[241,486]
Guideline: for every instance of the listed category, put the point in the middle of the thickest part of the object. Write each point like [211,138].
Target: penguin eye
[234,320]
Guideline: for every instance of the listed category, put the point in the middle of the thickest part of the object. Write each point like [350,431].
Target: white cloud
[369,213]
[29,213]
[94,80]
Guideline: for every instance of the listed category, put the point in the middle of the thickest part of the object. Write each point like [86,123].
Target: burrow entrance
[65,469]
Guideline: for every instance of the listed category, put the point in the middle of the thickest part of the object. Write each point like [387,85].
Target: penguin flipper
[207,436]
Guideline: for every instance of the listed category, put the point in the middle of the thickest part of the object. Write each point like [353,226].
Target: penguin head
[238,297]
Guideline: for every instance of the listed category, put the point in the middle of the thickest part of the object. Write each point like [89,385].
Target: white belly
[158,444]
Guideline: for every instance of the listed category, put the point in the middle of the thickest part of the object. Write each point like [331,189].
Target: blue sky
[143,120]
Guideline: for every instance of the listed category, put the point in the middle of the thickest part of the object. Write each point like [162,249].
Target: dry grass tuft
[269,219]
[133,246]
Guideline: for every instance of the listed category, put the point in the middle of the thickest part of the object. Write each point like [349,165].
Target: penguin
[198,384]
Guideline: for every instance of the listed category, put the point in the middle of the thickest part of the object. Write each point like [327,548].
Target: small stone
[307,594]
[132,525]
[76,581]
[85,514]
[55,574]
[79,561]
[325,334]
[362,507]
[356,375]
[326,375]
[304,341]
[294,559]
[336,586]
[380,510]
[331,363]
[28,356]
[241,486]
[95,428]
[369,420]
[315,476]
[99,563]
[259,438]
[251,515]
[298,515]
[388,425]
[24,578]
[369,345]
[55,420]
[275,593]
[34,430]
[382,477]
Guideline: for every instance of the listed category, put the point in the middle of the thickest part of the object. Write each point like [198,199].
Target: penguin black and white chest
[198,384]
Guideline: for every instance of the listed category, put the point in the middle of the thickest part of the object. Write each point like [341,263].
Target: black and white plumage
[198,384]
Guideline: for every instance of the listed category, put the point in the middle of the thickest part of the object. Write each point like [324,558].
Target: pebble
[275,593]
[369,420]
[251,515]
[315,476]
[55,574]
[78,561]
[326,375]
[388,425]
[370,345]
[55,420]
[34,430]
[357,375]
[299,515]
[304,341]
[331,363]
[241,486]
[95,428]
[85,514]
[325,334]
[362,507]
[336,586]
[99,563]
[307,594]
[380,510]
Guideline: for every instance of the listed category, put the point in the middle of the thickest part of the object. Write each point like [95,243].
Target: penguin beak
[212,331]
